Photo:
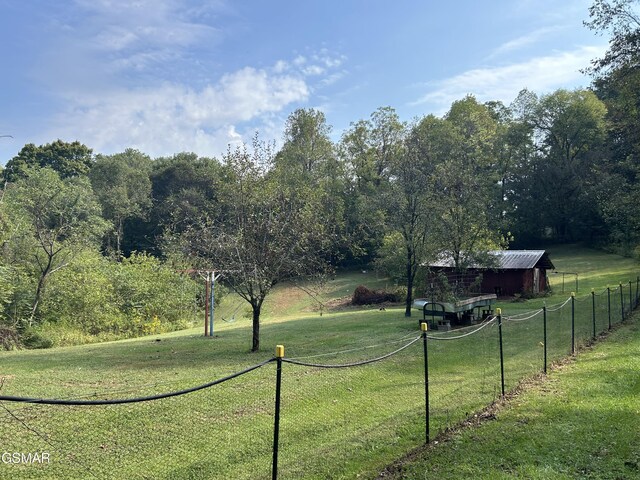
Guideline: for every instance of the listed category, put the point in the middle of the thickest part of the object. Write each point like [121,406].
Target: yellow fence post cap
[573,294]
[279,351]
[423,326]
[498,311]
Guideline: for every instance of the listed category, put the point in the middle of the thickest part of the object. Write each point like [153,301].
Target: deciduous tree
[58,218]
[68,159]
[264,232]
[122,185]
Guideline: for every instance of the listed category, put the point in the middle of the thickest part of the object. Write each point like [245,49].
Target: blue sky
[166,76]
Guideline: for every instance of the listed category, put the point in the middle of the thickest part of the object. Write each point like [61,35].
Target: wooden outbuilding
[513,272]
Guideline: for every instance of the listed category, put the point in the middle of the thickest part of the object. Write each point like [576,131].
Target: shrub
[9,339]
[364,296]
[31,338]
[105,299]
[82,296]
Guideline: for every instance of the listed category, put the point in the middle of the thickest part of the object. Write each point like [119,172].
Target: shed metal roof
[508,260]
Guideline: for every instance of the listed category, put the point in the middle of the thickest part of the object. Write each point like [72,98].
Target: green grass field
[336,423]
[581,421]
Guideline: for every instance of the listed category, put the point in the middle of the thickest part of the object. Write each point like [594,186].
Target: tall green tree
[620,18]
[408,200]
[616,81]
[463,184]
[570,127]
[184,190]
[59,218]
[122,185]
[307,147]
[367,150]
[308,160]
[69,159]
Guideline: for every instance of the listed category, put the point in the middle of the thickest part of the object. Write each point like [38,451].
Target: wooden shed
[514,272]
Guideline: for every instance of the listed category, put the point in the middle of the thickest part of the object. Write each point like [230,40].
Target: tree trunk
[119,234]
[36,301]
[256,327]
[41,283]
[409,300]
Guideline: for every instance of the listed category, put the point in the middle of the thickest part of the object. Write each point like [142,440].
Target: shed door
[536,280]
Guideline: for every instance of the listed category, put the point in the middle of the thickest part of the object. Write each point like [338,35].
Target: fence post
[630,298]
[593,311]
[276,424]
[609,305]
[423,327]
[573,322]
[544,341]
[621,303]
[499,312]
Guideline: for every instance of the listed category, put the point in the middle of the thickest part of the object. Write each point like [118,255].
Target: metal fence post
[423,327]
[544,341]
[499,312]
[593,311]
[276,424]
[609,305]
[573,322]
[621,303]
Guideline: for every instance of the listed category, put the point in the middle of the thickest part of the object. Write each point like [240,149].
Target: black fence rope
[356,349]
[354,364]
[54,401]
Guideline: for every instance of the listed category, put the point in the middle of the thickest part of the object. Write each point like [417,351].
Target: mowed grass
[581,421]
[335,423]
[595,270]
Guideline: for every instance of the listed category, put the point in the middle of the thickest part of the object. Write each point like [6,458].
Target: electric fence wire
[105,392]
[512,318]
[355,349]
[57,401]
[521,314]
[583,299]
[353,364]
[457,337]
[557,306]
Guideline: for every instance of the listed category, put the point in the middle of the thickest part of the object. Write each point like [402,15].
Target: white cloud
[540,74]
[525,40]
[151,74]
[313,70]
[173,118]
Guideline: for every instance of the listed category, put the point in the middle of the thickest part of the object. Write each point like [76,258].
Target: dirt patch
[338,304]
[344,304]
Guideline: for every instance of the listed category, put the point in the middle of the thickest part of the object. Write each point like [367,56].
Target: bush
[97,299]
[9,339]
[34,339]
[363,296]
[82,296]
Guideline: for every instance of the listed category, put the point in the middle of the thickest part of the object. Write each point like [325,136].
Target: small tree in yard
[54,219]
[263,232]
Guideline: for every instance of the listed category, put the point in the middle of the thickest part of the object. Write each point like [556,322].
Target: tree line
[558,167]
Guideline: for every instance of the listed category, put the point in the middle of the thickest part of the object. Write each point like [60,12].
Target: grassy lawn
[334,423]
[581,421]
[595,269]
